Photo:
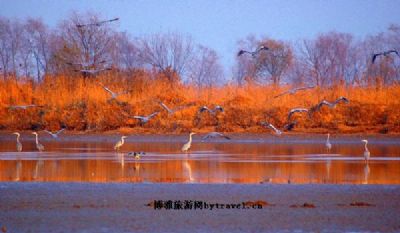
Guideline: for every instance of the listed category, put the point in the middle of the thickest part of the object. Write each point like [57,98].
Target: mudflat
[128,207]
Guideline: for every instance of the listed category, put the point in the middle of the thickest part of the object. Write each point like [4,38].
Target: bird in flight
[171,111]
[253,53]
[113,94]
[212,111]
[296,110]
[269,125]
[385,53]
[96,23]
[24,106]
[55,134]
[294,90]
[215,135]
[145,119]
[331,105]
[92,71]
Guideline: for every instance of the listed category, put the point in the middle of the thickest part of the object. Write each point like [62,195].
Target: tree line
[30,49]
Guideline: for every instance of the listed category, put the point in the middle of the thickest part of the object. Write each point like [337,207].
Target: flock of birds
[85,69]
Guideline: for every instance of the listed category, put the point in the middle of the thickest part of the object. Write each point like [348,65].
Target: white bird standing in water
[187,145]
[39,146]
[328,144]
[366,151]
[119,143]
[19,144]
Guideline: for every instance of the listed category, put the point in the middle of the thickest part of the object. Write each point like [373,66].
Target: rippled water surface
[244,159]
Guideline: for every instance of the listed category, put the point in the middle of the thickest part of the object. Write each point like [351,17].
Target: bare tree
[205,70]
[84,48]
[275,61]
[169,53]
[268,65]
[126,53]
[39,45]
[326,57]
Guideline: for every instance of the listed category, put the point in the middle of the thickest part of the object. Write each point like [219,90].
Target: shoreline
[123,207]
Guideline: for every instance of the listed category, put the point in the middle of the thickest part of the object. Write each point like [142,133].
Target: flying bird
[214,135]
[254,53]
[188,144]
[171,111]
[145,119]
[296,110]
[270,126]
[86,65]
[55,134]
[113,94]
[385,53]
[119,143]
[367,154]
[331,105]
[24,106]
[39,146]
[294,90]
[19,144]
[92,71]
[96,23]
[212,111]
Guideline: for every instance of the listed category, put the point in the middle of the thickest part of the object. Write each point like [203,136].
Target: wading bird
[270,126]
[212,111]
[119,143]
[39,146]
[214,135]
[24,106]
[187,145]
[385,53]
[295,110]
[55,134]
[113,94]
[136,155]
[366,151]
[293,91]
[145,119]
[96,23]
[254,53]
[19,144]
[328,144]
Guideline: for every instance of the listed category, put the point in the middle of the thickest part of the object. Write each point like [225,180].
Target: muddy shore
[123,207]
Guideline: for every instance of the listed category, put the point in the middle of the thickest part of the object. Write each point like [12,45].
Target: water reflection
[206,163]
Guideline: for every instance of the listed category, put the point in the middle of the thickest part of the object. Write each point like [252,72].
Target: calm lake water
[244,159]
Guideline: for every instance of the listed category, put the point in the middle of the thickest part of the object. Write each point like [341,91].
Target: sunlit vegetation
[64,72]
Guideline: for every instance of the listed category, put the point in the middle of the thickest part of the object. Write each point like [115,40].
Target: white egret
[19,144]
[119,143]
[367,154]
[187,145]
[328,144]
[39,146]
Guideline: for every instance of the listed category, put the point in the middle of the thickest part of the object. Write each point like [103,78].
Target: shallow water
[254,159]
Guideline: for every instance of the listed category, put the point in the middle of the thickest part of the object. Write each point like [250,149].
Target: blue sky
[219,24]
